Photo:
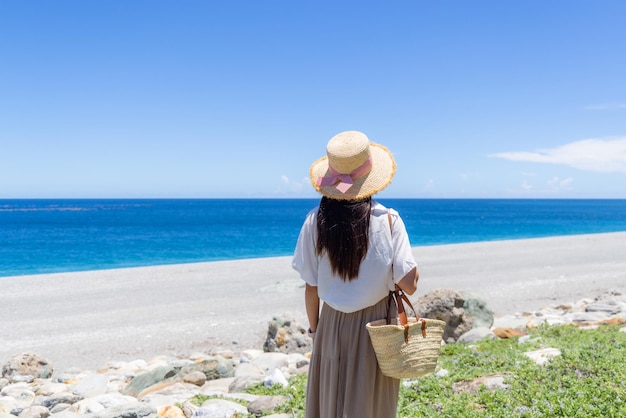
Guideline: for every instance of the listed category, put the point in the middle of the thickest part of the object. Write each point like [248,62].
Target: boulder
[286,336]
[490,382]
[265,404]
[27,364]
[148,379]
[461,311]
[212,368]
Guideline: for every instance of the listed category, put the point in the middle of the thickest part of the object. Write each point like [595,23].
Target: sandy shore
[87,319]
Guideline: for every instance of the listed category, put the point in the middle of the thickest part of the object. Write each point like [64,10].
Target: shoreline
[157,265]
[86,319]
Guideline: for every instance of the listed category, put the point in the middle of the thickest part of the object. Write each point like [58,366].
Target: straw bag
[410,349]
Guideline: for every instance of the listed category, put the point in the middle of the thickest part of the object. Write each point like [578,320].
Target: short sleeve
[305,260]
[403,259]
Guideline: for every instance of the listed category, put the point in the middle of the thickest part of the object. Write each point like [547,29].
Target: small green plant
[588,379]
[296,392]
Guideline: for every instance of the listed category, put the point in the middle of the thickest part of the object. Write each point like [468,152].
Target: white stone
[476,334]
[7,404]
[271,361]
[275,378]
[248,369]
[248,356]
[86,406]
[92,385]
[21,392]
[217,386]
[542,356]
[219,408]
[51,388]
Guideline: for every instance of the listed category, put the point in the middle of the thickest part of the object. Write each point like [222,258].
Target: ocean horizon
[39,236]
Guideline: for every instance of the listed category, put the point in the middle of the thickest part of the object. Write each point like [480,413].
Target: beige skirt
[344,378]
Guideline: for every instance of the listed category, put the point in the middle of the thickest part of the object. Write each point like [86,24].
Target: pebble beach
[86,319]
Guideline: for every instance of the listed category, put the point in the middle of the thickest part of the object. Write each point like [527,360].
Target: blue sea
[48,236]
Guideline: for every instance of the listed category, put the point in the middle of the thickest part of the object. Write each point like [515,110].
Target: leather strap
[399,296]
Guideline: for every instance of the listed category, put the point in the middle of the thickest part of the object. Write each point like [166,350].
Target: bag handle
[400,297]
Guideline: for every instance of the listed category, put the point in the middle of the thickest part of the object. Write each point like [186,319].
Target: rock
[286,336]
[92,385]
[170,411]
[515,321]
[176,391]
[7,405]
[35,412]
[147,379]
[220,408]
[26,364]
[68,414]
[476,334]
[507,332]
[248,356]
[271,361]
[606,308]
[460,311]
[264,404]
[128,410]
[59,398]
[189,409]
[489,382]
[195,378]
[544,355]
[275,378]
[51,388]
[218,386]
[585,317]
[240,384]
[59,408]
[249,369]
[22,395]
[297,361]
[613,321]
[213,368]
[87,406]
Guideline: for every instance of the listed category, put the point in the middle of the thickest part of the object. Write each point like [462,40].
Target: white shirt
[375,274]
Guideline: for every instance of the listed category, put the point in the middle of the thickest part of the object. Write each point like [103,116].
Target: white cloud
[560,184]
[604,155]
[430,184]
[526,186]
[606,106]
[293,186]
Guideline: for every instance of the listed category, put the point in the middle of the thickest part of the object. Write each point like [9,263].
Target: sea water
[47,236]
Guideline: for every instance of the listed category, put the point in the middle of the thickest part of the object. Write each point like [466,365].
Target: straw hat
[354,167]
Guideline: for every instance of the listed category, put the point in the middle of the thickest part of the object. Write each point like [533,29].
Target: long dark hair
[343,233]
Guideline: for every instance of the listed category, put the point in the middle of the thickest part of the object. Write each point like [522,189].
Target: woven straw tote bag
[406,347]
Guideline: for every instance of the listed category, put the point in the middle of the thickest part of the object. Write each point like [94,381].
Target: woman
[351,252]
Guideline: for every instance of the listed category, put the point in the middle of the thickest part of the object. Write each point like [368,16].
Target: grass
[587,380]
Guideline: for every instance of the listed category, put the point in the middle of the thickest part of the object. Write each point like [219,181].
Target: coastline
[86,319]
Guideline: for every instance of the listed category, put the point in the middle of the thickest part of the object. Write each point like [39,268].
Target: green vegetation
[587,380]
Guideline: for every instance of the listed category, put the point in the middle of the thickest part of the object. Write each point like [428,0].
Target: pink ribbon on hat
[345,180]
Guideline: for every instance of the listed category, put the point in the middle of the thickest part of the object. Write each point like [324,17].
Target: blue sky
[476,99]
